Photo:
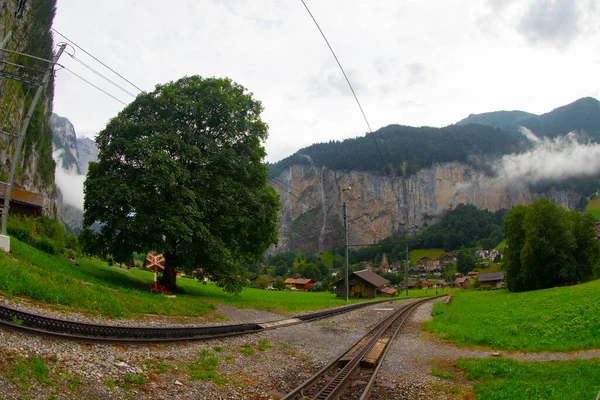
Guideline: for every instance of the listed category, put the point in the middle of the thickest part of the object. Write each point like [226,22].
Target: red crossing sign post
[155,261]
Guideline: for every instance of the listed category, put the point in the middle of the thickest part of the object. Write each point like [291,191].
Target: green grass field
[501,245]
[503,379]
[593,207]
[416,255]
[95,288]
[558,319]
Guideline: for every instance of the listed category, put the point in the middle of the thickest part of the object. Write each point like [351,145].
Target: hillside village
[389,277]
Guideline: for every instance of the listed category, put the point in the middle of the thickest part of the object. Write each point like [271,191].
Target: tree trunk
[169,276]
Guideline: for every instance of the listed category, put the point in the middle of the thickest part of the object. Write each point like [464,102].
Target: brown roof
[301,281]
[23,196]
[388,290]
[289,280]
[372,278]
[491,276]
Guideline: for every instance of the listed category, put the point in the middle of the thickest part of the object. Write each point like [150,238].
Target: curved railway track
[35,323]
[361,363]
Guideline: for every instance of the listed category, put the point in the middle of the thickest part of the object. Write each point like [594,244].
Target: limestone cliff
[72,156]
[30,35]
[311,214]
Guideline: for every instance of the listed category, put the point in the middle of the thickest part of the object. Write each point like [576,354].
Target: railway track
[72,330]
[359,364]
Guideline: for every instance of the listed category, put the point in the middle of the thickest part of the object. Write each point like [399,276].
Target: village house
[289,282]
[361,284]
[298,283]
[302,284]
[493,280]
[462,282]
[22,202]
[448,259]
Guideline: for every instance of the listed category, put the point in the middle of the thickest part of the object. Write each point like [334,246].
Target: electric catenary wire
[101,75]
[355,98]
[95,58]
[91,84]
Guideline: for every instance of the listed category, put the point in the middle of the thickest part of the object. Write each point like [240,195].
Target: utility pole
[346,245]
[346,242]
[4,239]
[406,269]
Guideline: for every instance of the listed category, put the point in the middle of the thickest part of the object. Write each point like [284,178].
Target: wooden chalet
[298,283]
[289,283]
[363,283]
[302,284]
[494,280]
[22,202]
[462,282]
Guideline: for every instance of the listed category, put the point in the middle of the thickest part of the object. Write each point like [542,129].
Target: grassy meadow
[505,379]
[593,207]
[417,254]
[558,319]
[95,288]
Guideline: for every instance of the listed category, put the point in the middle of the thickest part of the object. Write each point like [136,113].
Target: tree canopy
[547,246]
[180,172]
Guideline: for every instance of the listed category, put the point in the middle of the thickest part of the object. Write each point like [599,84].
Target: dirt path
[406,371]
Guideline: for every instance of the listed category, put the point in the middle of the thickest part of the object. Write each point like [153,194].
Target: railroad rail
[65,329]
[364,357]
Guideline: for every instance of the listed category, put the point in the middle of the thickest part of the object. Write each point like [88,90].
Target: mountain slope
[72,156]
[434,170]
[581,116]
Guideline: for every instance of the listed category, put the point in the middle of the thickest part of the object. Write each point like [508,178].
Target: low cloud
[550,160]
[556,22]
[71,187]
[69,182]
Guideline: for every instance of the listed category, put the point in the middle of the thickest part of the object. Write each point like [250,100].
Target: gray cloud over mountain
[556,22]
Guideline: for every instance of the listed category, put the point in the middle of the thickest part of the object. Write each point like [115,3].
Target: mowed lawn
[504,379]
[593,207]
[558,319]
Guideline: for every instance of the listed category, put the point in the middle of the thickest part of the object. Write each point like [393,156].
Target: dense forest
[582,115]
[408,149]
[474,140]
[465,226]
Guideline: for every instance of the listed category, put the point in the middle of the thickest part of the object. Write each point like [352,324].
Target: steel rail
[338,383]
[367,391]
[65,329]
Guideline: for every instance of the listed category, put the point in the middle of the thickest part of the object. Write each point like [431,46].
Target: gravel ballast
[265,365]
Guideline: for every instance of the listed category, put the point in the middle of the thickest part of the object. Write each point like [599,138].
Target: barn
[22,202]
[361,284]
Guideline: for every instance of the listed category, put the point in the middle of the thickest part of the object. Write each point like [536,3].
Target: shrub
[42,233]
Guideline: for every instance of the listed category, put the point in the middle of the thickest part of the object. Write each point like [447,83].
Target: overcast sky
[412,62]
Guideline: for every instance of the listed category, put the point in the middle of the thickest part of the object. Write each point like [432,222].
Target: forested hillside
[582,115]
[408,149]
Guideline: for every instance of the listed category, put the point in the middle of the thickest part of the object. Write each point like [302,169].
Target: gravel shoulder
[257,366]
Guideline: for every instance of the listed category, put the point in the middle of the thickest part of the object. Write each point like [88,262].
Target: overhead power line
[102,75]
[95,58]
[91,84]
[355,98]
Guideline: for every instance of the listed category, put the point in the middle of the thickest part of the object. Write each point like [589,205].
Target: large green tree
[180,172]
[547,246]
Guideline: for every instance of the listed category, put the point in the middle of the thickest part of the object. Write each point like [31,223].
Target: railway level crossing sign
[155,261]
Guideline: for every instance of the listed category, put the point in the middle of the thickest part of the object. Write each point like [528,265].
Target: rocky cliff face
[72,156]
[311,214]
[35,170]
[64,144]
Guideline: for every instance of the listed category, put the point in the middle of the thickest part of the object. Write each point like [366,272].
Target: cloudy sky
[412,62]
